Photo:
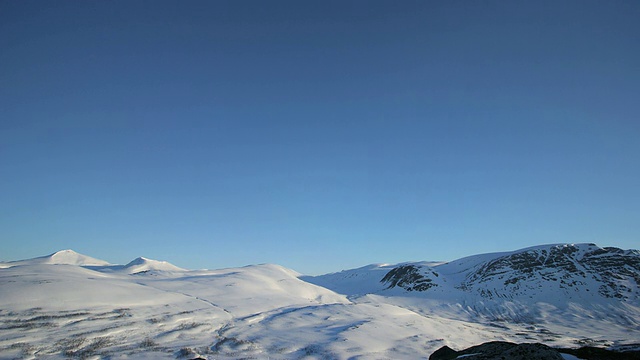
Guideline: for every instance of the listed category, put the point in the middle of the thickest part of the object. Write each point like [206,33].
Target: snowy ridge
[528,285]
[571,269]
[74,306]
[566,270]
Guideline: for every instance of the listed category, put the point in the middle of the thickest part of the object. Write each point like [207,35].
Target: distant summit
[70,257]
[62,257]
[142,264]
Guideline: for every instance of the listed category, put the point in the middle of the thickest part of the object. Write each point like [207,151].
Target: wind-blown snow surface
[70,305]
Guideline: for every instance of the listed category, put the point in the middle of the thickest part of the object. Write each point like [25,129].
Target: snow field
[58,307]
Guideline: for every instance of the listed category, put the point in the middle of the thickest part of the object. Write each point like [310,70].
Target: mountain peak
[139,261]
[70,257]
[142,264]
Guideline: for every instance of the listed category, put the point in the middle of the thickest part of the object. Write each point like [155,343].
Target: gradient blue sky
[317,135]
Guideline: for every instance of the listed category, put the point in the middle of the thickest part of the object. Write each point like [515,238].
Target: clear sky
[319,135]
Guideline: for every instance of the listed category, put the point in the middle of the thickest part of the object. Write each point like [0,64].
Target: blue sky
[317,135]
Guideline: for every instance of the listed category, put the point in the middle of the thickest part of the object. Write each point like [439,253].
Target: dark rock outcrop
[594,353]
[408,277]
[499,350]
[444,353]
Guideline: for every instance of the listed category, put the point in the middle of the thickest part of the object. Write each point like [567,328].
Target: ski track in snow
[209,303]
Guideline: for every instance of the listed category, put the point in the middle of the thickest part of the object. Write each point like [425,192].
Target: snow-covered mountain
[68,305]
[523,285]
[62,257]
[543,273]
[582,270]
[143,265]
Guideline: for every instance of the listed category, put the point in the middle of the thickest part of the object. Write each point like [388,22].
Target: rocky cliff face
[410,278]
[610,272]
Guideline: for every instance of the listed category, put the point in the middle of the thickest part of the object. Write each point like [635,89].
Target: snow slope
[73,306]
[146,308]
[570,289]
[551,273]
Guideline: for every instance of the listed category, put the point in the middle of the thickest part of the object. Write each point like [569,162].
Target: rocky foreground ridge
[501,350]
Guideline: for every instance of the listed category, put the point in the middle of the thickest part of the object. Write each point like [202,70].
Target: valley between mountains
[69,305]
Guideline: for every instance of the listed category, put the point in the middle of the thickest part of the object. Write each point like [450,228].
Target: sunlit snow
[70,305]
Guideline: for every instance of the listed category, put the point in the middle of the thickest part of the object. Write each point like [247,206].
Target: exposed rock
[499,350]
[408,277]
[444,353]
[568,267]
[594,353]
[569,271]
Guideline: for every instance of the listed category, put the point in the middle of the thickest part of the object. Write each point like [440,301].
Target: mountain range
[69,305]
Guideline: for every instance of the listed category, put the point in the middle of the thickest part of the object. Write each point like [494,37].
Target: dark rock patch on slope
[408,277]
